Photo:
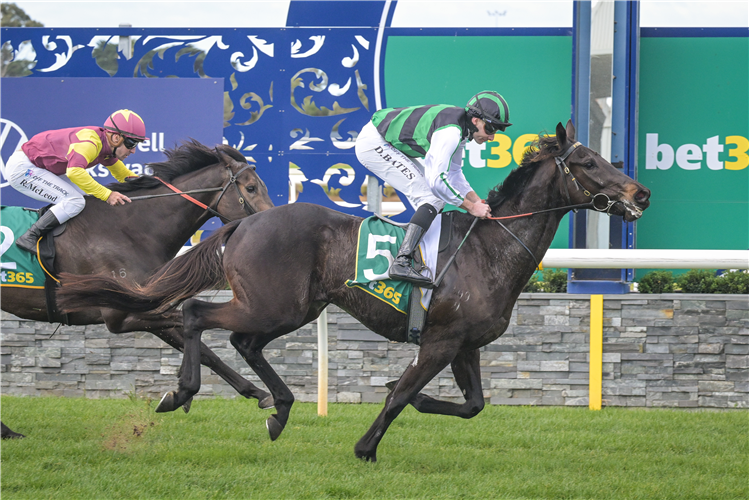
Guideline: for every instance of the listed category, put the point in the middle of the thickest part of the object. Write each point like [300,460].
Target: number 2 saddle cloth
[20,269]
[379,241]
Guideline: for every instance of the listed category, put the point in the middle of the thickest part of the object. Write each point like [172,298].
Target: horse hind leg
[467,371]
[198,316]
[250,347]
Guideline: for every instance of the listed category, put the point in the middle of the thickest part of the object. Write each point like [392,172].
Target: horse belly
[24,303]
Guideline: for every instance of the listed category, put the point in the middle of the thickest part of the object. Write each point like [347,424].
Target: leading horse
[285,265]
[129,242]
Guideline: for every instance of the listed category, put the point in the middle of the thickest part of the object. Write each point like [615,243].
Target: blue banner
[174,110]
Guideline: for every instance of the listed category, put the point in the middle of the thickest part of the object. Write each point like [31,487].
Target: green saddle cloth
[377,247]
[19,268]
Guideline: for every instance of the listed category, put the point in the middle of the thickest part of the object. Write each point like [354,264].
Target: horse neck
[179,218]
[543,192]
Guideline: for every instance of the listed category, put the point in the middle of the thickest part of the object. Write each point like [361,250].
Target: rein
[185,194]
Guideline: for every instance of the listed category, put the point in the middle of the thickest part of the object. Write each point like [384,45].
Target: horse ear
[561,135]
[570,131]
[225,158]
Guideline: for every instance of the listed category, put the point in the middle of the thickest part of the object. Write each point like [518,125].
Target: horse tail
[199,269]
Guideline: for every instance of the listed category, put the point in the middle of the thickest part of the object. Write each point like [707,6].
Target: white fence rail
[646,259]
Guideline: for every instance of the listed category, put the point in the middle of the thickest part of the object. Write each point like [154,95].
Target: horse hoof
[266,403]
[274,427]
[186,406]
[13,435]
[167,403]
[367,457]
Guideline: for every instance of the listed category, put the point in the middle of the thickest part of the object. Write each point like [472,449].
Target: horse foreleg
[194,324]
[467,371]
[7,433]
[208,358]
[250,347]
[429,361]
[168,327]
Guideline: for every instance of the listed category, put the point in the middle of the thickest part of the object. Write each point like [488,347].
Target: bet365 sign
[716,153]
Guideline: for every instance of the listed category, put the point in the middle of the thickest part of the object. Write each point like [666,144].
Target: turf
[112,449]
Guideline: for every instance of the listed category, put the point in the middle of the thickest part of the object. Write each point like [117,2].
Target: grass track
[113,449]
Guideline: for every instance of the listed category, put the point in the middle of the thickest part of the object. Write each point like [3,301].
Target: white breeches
[389,164]
[43,185]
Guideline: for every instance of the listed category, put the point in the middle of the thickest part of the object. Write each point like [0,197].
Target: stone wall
[673,350]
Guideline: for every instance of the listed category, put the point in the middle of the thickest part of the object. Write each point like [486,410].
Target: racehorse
[285,265]
[129,242]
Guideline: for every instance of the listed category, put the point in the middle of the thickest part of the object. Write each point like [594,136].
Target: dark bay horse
[129,242]
[285,265]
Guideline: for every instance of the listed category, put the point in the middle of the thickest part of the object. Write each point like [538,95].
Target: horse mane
[188,157]
[541,149]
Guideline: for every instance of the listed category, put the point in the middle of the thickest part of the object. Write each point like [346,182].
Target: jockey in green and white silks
[419,151]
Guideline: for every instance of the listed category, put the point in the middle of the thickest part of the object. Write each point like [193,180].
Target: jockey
[52,165]
[393,141]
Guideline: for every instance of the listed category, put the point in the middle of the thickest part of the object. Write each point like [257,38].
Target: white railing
[581,258]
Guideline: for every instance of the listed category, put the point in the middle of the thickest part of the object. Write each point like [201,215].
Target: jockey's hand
[479,209]
[116,198]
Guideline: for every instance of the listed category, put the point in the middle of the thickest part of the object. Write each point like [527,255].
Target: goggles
[491,128]
[129,142]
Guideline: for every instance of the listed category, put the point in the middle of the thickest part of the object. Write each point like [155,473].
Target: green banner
[693,142]
[533,73]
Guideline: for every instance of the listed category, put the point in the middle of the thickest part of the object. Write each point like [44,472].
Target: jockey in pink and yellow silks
[52,165]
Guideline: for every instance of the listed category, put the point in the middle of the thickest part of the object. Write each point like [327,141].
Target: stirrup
[404,272]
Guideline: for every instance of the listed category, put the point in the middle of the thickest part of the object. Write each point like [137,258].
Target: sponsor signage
[174,110]
[693,139]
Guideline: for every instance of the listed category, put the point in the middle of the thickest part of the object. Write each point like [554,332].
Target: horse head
[588,177]
[244,192]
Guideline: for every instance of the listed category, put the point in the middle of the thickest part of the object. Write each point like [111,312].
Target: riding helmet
[127,123]
[490,107]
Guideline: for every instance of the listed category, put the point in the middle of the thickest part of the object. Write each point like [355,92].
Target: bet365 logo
[713,154]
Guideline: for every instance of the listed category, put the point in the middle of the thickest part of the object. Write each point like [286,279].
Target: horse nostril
[642,196]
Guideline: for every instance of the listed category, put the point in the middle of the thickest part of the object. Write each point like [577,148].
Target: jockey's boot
[45,224]
[402,267]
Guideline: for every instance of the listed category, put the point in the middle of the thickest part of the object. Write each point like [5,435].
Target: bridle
[565,171]
[231,182]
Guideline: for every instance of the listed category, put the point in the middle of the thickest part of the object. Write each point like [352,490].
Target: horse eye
[250,189]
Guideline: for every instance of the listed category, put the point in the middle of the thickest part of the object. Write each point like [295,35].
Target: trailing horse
[285,265]
[130,242]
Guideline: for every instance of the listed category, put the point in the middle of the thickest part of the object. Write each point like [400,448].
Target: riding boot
[45,224]
[402,268]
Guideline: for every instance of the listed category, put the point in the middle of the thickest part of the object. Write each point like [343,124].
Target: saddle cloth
[377,247]
[19,268]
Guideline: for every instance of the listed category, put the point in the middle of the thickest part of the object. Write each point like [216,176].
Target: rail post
[322,363]
[596,352]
